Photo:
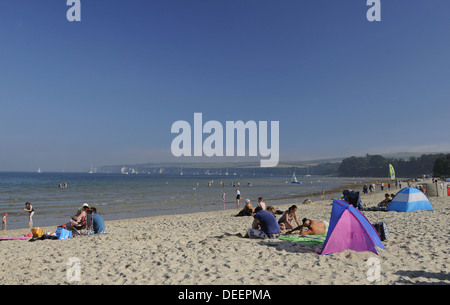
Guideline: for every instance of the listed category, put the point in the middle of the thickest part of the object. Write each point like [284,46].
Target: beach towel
[310,240]
[26,236]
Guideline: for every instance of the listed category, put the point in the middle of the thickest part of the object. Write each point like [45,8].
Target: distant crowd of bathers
[62,185]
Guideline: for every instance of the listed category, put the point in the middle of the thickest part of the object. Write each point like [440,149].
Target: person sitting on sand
[261,203]
[271,209]
[247,210]
[311,227]
[264,225]
[288,217]
[79,220]
[99,224]
[385,203]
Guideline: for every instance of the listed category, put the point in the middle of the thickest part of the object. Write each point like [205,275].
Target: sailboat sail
[392,172]
[294,179]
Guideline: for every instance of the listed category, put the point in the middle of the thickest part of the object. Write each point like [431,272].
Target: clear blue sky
[106,90]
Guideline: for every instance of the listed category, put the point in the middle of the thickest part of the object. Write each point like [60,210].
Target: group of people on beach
[266,225]
[62,185]
[77,222]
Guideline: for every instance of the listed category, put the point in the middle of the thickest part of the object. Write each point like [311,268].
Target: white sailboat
[294,179]
[307,173]
[39,170]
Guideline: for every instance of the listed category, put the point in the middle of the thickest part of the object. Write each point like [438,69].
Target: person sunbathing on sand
[311,227]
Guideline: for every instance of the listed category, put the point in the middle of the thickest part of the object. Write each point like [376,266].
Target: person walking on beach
[29,208]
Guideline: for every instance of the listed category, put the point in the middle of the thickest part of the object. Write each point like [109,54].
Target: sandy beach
[208,248]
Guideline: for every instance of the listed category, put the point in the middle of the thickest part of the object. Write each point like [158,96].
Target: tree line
[437,165]
[442,167]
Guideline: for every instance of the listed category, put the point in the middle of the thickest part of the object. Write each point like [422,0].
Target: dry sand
[206,248]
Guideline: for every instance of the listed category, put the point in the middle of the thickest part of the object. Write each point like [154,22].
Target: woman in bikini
[288,217]
[238,197]
[29,208]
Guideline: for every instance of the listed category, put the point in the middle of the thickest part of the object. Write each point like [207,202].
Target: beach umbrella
[410,199]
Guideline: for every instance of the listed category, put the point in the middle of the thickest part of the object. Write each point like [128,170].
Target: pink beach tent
[349,229]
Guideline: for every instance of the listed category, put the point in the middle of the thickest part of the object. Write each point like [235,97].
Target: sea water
[118,196]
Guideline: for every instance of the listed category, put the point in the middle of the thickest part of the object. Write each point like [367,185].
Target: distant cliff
[405,165]
[230,169]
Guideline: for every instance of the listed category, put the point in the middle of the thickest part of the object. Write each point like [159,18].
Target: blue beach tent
[349,229]
[410,199]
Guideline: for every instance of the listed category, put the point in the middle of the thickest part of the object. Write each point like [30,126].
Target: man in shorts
[312,227]
[264,225]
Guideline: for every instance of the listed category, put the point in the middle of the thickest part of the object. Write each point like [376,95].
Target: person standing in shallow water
[29,208]
[238,197]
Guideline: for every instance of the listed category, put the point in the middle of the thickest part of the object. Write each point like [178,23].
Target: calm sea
[118,196]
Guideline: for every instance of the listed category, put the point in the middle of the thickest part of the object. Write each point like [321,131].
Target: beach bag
[62,233]
[37,232]
[382,230]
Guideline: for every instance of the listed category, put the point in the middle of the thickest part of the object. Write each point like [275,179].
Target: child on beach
[4,221]
[30,210]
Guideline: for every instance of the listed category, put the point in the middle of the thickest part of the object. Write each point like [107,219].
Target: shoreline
[334,192]
[208,248]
